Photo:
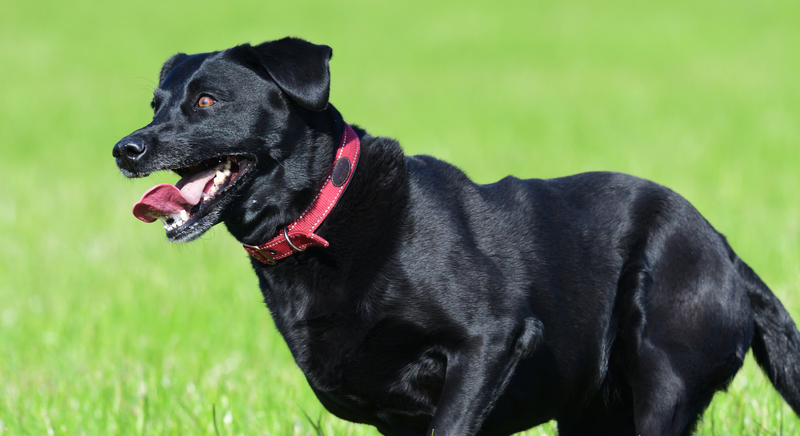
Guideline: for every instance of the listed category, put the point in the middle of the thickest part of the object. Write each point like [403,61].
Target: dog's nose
[129,149]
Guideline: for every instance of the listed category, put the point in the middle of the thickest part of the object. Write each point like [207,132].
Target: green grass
[107,329]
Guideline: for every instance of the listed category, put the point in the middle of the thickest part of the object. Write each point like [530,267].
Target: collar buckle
[260,255]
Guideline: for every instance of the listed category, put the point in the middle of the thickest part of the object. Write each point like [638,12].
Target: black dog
[422,303]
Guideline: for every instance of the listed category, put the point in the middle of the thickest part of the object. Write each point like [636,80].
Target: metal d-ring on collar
[289,241]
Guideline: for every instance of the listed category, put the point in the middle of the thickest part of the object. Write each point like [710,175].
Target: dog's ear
[169,64]
[300,68]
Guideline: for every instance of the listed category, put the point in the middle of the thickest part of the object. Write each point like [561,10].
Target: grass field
[106,329]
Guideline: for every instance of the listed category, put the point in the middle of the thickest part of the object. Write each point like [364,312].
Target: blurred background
[105,328]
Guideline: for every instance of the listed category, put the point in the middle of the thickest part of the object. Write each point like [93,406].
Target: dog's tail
[776,343]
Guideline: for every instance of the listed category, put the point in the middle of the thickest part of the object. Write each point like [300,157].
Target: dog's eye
[205,101]
[153,105]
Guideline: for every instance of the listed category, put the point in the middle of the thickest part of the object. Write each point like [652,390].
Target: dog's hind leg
[690,339]
[660,397]
[670,393]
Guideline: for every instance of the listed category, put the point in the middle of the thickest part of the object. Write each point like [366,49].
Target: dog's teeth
[174,221]
[219,178]
[228,166]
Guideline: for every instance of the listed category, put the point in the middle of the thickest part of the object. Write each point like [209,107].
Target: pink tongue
[163,200]
[166,200]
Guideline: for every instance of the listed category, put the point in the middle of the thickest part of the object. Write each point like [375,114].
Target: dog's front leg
[477,374]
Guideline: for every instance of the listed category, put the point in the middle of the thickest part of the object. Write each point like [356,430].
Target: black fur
[600,300]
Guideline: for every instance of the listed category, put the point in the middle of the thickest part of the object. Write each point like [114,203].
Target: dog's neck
[299,234]
[375,197]
[364,231]
[292,163]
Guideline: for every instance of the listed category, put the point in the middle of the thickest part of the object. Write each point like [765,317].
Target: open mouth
[201,186]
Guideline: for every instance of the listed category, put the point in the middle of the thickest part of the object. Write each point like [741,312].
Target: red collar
[300,235]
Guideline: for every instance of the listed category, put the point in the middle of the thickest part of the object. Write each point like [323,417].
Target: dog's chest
[389,366]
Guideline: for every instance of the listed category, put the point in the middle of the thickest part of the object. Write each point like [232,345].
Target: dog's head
[249,122]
